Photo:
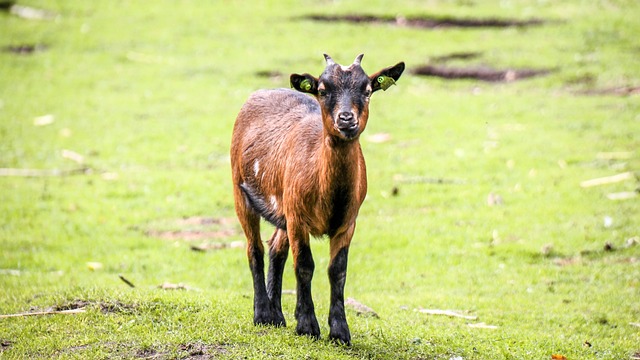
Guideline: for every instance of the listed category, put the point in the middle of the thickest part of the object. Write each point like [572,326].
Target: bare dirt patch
[189,235]
[202,351]
[479,73]
[24,49]
[73,305]
[117,307]
[194,228]
[150,354]
[426,22]
[108,307]
[197,351]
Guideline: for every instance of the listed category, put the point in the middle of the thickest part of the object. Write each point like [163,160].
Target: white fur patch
[256,168]
[274,202]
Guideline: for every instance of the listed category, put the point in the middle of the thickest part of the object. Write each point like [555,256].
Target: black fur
[344,89]
[262,314]
[393,71]
[310,103]
[260,206]
[338,328]
[274,283]
[266,307]
[305,311]
[340,202]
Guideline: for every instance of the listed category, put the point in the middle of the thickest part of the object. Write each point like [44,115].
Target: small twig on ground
[70,311]
[42,172]
[635,324]
[449,313]
[126,281]
[608,179]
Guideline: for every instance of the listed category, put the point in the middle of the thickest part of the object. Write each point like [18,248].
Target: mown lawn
[115,124]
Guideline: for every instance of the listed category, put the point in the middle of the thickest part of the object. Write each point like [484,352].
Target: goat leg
[338,327]
[278,252]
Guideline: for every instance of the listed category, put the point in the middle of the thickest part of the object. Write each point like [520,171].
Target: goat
[296,161]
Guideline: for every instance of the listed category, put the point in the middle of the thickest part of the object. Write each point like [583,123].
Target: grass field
[115,125]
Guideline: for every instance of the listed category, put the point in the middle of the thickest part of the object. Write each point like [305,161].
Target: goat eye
[322,92]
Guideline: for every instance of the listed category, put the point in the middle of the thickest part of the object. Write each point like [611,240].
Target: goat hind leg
[250,221]
[278,252]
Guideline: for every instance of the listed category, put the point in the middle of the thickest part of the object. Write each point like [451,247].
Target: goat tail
[262,207]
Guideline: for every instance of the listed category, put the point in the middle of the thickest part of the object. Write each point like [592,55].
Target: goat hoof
[270,319]
[339,333]
[343,339]
[308,327]
[278,320]
[269,322]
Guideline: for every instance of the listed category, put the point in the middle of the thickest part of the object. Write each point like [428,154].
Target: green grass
[147,92]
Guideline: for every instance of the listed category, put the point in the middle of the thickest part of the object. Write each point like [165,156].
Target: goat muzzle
[347,125]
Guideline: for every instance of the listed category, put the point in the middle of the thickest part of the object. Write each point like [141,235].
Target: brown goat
[297,162]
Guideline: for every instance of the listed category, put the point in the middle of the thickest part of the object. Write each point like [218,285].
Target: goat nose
[345,117]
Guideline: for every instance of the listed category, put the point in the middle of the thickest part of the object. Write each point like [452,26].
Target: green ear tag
[305,85]
[386,82]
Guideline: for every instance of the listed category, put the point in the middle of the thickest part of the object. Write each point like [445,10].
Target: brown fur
[311,168]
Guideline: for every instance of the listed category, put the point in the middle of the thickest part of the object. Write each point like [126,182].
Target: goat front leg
[338,327]
[278,252]
[303,265]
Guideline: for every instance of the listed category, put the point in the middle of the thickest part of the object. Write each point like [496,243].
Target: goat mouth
[349,132]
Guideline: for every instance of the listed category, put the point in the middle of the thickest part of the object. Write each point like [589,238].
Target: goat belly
[265,208]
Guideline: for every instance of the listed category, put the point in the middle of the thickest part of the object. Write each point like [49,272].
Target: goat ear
[304,83]
[386,77]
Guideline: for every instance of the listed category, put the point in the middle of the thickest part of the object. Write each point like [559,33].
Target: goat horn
[358,59]
[329,60]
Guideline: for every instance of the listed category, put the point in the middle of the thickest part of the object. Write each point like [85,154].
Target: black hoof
[269,318]
[279,320]
[339,333]
[341,339]
[269,322]
[308,327]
